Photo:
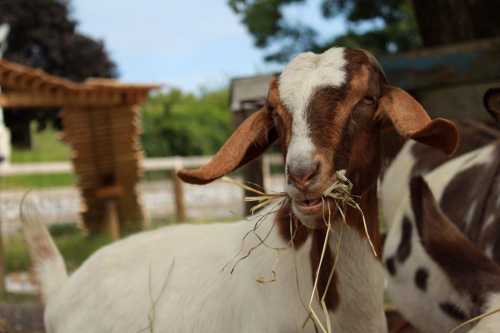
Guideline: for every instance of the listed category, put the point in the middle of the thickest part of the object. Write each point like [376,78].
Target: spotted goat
[442,253]
[326,111]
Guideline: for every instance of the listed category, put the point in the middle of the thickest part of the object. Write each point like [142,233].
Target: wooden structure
[451,80]
[102,126]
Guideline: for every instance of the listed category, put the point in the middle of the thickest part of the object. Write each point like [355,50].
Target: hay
[473,320]
[154,301]
[317,321]
[340,193]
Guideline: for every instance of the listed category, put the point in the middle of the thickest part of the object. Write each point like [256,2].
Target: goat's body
[119,289]
[467,188]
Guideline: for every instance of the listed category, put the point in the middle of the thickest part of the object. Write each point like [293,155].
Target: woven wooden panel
[106,152]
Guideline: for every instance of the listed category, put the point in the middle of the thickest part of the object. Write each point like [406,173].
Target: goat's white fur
[298,82]
[418,307]
[395,182]
[421,308]
[397,176]
[110,292]
[492,323]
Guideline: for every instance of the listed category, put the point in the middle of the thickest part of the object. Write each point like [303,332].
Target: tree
[185,124]
[43,35]
[393,25]
[448,21]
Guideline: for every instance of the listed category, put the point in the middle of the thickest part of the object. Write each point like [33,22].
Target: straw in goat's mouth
[340,193]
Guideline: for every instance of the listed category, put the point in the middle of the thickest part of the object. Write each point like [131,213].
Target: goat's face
[324,108]
[326,111]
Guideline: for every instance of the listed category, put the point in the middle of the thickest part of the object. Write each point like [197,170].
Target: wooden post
[110,195]
[111,220]
[252,172]
[253,175]
[178,186]
[266,171]
[2,263]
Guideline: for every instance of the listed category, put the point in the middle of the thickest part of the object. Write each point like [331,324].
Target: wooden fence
[170,165]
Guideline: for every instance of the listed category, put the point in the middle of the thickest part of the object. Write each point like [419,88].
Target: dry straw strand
[473,320]
[340,192]
[153,301]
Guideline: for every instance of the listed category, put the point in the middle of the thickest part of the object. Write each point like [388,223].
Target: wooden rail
[150,164]
[169,164]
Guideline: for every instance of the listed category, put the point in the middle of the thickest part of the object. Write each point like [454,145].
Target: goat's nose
[301,174]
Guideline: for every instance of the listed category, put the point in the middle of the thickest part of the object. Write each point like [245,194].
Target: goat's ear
[249,141]
[412,122]
[492,102]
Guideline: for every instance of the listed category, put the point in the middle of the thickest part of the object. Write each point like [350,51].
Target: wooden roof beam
[25,100]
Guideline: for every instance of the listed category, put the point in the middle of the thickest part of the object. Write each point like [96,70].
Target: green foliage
[185,124]
[392,26]
[44,35]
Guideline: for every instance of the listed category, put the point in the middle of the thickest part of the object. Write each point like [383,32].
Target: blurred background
[102,101]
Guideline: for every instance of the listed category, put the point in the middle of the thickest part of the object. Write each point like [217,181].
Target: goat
[414,159]
[442,252]
[326,111]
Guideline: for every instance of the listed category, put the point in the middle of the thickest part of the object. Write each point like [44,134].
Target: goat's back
[178,279]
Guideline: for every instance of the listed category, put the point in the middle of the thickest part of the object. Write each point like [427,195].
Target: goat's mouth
[309,206]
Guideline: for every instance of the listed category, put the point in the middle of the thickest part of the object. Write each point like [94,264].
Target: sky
[188,44]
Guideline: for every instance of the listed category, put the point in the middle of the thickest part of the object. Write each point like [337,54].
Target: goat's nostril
[314,171]
[302,175]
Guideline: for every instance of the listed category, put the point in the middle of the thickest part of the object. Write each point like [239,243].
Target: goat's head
[326,112]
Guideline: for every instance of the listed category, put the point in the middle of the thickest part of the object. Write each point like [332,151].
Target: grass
[37,181]
[47,147]
[74,245]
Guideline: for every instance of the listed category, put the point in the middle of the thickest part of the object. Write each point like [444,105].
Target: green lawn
[47,147]
[74,245]
[37,181]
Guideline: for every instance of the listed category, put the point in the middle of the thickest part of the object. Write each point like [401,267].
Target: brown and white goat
[326,111]
[442,252]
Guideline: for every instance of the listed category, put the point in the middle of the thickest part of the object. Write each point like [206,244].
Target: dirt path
[62,205]
[21,318]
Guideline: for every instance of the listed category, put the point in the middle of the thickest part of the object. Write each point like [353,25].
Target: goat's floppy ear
[412,122]
[249,141]
[492,102]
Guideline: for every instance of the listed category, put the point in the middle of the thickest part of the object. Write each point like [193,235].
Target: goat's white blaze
[298,82]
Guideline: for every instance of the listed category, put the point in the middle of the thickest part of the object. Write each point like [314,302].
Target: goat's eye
[368,100]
